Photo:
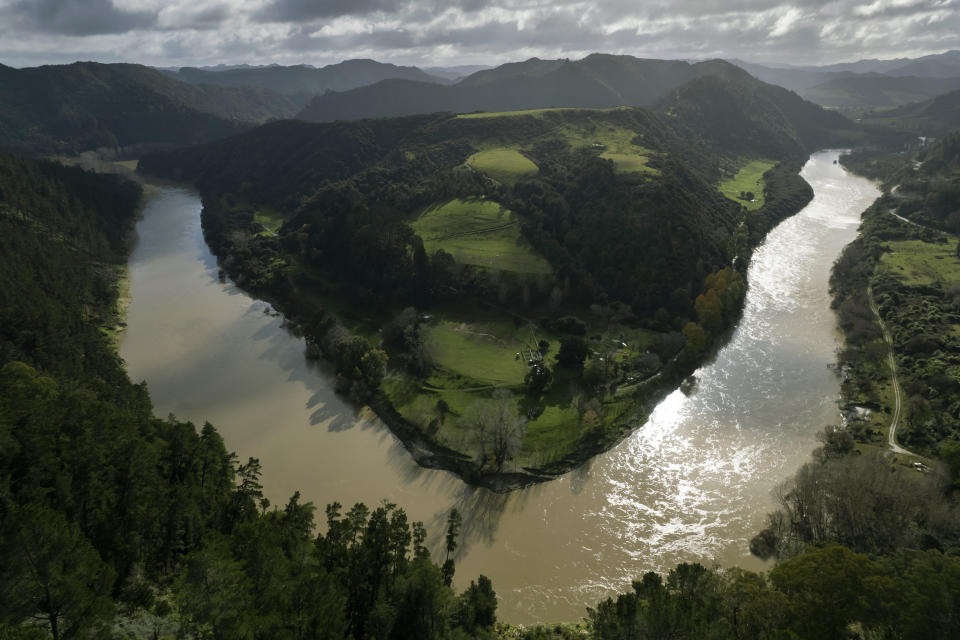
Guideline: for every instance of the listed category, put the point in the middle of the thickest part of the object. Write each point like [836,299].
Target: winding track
[897,404]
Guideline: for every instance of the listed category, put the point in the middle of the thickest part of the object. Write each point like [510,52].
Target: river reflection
[693,483]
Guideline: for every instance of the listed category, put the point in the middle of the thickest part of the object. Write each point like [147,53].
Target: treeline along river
[693,483]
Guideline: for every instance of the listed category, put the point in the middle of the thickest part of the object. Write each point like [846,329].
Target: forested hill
[82,106]
[111,517]
[597,81]
[741,114]
[406,163]
[303,79]
[935,117]
[622,220]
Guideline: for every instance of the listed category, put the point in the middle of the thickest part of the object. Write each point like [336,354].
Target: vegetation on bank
[907,254]
[578,293]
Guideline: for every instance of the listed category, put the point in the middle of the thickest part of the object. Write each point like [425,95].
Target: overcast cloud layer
[435,32]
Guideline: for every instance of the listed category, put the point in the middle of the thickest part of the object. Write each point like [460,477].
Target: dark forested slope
[86,105]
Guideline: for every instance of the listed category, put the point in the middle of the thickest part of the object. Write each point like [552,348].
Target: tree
[51,574]
[478,606]
[826,590]
[573,352]
[496,427]
[696,338]
[453,530]
[538,377]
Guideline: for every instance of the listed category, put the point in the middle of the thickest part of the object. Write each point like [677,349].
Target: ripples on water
[692,484]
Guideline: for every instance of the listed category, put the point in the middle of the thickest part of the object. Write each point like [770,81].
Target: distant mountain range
[457,72]
[303,79]
[866,83]
[597,81]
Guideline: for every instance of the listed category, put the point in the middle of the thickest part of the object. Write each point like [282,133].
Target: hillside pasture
[919,263]
[747,179]
[481,233]
[503,164]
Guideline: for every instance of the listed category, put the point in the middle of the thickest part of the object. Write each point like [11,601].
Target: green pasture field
[478,232]
[915,262]
[748,178]
[503,164]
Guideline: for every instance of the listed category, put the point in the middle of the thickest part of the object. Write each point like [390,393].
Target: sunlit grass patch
[481,233]
[748,179]
[503,164]
[915,262]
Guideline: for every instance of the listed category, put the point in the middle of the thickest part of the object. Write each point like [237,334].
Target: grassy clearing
[629,163]
[478,232]
[270,219]
[474,349]
[915,262]
[525,112]
[614,142]
[471,350]
[749,178]
[503,164]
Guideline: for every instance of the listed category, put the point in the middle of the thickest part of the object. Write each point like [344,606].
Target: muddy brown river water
[693,483]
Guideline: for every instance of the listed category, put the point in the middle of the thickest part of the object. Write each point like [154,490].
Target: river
[693,484]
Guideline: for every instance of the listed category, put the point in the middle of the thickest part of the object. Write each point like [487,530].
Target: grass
[503,164]
[474,350]
[749,178]
[525,112]
[628,163]
[469,349]
[615,143]
[915,262]
[481,233]
[270,219]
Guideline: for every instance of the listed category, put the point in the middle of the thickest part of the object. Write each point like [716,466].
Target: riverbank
[894,288]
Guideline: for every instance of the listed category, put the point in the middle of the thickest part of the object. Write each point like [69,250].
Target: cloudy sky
[438,32]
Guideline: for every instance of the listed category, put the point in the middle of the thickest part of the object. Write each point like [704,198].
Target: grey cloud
[201,20]
[308,10]
[302,11]
[423,31]
[79,17]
